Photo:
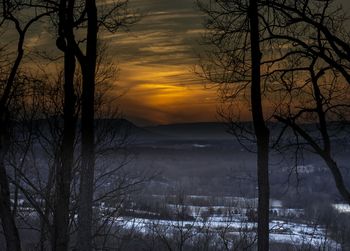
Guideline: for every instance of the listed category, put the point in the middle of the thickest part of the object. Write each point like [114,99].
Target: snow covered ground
[280,231]
[342,208]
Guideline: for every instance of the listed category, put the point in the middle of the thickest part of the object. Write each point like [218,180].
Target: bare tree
[234,35]
[66,43]
[327,106]
[318,27]
[261,131]
[43,125]
[315,29]
[307,45]
[71,17]
[13,15]
[112,21]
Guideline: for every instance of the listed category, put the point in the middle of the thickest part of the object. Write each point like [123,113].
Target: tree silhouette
[261,131]
[66,43]
[234,32]
[11,13]
[310,50]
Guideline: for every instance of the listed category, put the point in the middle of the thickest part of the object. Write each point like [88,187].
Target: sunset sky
[156,60]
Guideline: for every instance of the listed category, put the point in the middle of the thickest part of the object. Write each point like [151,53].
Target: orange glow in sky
[164,96]
[156,60]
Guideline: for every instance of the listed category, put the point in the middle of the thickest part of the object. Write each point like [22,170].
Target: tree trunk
[7,218]
[9,227]
[326,156]
[63,172]
[87,132]
[261,131]
[13,242]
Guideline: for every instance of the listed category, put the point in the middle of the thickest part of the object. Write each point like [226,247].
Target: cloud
[155,60]
[166,103]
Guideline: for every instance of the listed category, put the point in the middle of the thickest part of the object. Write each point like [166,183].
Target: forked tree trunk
[261,131]
[63,172]
[87,132]
[12,238]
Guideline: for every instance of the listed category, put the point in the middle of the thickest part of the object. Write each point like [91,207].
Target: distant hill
[190,131]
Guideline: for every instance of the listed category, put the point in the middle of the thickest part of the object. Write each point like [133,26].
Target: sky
[156,59]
